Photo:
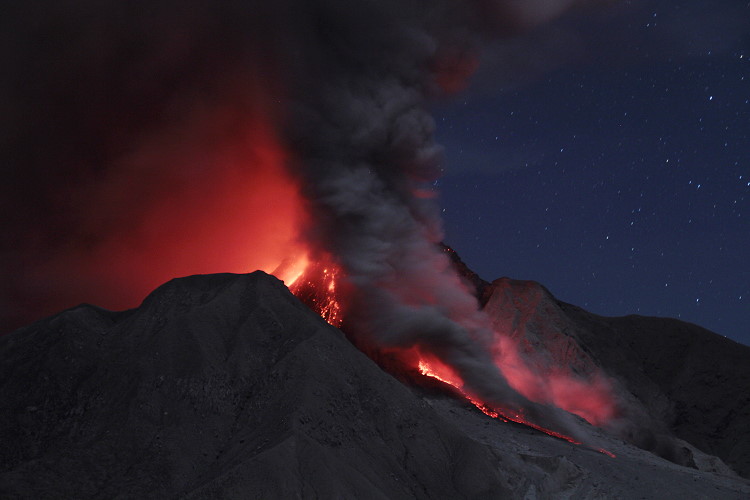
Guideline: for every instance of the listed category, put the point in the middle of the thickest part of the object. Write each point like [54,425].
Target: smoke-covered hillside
[227,386]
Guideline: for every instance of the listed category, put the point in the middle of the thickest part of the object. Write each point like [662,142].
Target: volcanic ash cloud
[362,147]
[163,126]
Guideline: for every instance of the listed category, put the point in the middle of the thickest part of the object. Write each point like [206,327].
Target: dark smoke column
[364,151]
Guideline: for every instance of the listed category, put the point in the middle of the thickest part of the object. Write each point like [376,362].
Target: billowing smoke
[374,216]
[362,145]
[147,140]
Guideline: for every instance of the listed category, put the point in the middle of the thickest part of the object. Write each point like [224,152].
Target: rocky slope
[682,378]
[226,386]
[218,386]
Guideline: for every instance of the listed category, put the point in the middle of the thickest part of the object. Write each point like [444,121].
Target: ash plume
[123,111]
[363,148]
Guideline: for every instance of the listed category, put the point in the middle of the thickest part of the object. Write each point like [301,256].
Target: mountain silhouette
[227,386]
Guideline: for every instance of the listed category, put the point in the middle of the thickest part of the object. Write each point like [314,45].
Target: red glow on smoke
[213,195]
[318,287]
[242,217]
[590,399]
[453,68]
[440,371]
[431,367]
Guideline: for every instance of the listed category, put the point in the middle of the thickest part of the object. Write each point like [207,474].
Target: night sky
[607,156]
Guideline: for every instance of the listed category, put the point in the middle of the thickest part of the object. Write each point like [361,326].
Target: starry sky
[607,156]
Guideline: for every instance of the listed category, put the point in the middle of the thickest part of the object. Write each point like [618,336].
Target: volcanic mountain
[227,386]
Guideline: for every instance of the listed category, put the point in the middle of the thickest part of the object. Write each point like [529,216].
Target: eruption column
[362,146]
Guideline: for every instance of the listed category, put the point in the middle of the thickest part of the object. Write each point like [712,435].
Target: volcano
[228,386]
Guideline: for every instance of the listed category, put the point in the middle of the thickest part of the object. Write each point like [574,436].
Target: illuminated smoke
[139,143]
[151,138]
[361,143]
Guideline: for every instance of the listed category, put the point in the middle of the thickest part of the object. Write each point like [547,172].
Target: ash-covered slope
[220,386]
[226,386]
[698,382]
[674,376]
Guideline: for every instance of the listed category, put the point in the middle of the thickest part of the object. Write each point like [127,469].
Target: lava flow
[317,284]
[446,375]
[439,371]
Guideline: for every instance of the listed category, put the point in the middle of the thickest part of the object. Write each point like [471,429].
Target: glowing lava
[441,372]
[318,287]
[425,368]
[317,284]
[432,367]
[291,268]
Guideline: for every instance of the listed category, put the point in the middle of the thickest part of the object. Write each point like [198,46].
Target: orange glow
[291,269]
[441,372]
[221,223]
[437,370]
[433,368]
[210,194]
[590,399]
[317,285]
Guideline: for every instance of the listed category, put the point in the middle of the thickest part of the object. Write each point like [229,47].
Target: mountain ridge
[186,381]
[227,386]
